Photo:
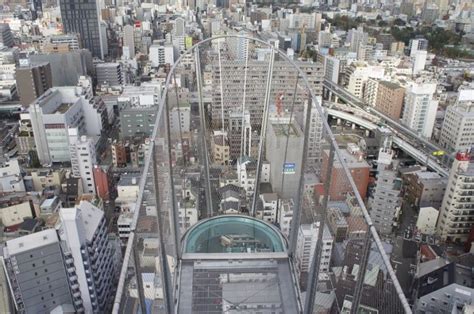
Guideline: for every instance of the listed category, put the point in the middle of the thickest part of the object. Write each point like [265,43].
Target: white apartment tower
[307,240]
[83,159]
[161,55]
[419,110]
[456,215]
[83,231]
[457,133]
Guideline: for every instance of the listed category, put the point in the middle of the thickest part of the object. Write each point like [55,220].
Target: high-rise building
[307,240]
[456,214]
[419,111]
[83,159]
[339,185]
[356,37]
[109,74]
[84,233]
[457,133]
[138,107]
[161,55]
[36,272]
[284,135]
[129,40]
[32,81]
[82,17]
[416,45]
[331,68]
[53,113]
[6,36]
[385,201]
[419,61]
[233,78]
[389,100]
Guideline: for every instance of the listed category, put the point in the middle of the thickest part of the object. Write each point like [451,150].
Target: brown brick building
[339,185]
[389,99]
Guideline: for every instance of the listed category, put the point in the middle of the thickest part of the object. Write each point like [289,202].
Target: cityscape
[232,156]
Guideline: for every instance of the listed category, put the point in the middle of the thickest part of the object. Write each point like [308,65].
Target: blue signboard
[289,168]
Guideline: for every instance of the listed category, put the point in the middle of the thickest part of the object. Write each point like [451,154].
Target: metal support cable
[205,152]
[165,270]
[263,131]
[313,276]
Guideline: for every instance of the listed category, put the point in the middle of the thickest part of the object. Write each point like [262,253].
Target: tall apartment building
[339,185]
[307,241]
[456,217]
[233,77]
[109,74]
[36,272]
[457,133]
[386,199]
[84,233]
[82,17]
[83,159]
[32,81]
[419,111]
[161,55]
[315,134]
[129,40]
[389,100]
[6,36]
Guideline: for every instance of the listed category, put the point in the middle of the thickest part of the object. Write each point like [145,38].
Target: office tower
[419,111]
[417,44]
[109,74]
[33,81]
[84,233]
[339,185]
[389,100]
[36,272]
[457,133]
[53,113]
[419,61]
[283,134]
[83,159]
[456,216]
[6,36]
[239,47]
[161,55]
[82,17]
[129,40]
[386,200]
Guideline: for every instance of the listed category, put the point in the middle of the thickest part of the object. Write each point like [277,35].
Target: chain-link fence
[240,131]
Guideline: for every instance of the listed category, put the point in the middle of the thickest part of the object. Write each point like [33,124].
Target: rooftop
[32,241]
